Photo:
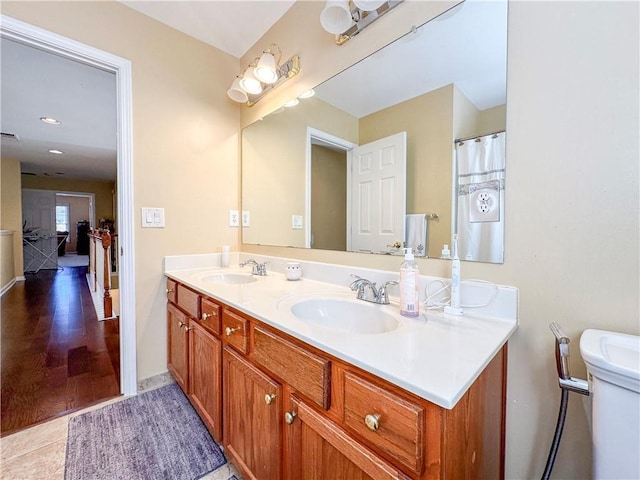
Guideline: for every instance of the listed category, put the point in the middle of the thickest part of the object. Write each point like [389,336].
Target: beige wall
[274,152]
[102,190]
[7,270]
[11,213]
[572,122]
[328,198]
[572,221]
[185,143]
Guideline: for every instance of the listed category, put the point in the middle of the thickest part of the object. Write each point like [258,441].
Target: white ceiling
[232,26]
[36,84]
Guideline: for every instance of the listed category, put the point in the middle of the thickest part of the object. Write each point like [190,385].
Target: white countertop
[435,356]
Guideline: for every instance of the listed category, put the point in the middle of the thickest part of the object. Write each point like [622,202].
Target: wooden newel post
[106,243]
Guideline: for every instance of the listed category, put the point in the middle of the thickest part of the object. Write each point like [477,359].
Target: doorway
[38,38]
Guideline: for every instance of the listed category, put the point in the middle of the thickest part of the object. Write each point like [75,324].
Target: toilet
[613,366]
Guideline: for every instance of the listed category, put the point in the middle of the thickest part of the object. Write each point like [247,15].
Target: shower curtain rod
[477,136]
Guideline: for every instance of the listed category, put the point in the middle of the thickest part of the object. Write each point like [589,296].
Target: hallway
[56,356]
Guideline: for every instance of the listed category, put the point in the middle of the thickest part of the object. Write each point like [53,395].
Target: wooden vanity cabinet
[291,411]
[252,418]
[195,353]
[178,346]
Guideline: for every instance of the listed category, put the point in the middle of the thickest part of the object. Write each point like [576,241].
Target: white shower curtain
[480,166]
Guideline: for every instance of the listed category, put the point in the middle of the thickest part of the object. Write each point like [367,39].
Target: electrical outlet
[234,218]
[246,218]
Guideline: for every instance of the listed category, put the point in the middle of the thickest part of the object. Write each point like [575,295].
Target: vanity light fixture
[307,94]
[291,103]
[50,120]
[346,18]
[262,75]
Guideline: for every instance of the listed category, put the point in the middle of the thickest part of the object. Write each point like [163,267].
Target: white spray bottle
[409,286]
[455,307]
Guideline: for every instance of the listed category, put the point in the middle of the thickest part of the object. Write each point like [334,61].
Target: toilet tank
[613,364]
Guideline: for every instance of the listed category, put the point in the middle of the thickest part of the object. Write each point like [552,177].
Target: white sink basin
[350,316]
[235,278]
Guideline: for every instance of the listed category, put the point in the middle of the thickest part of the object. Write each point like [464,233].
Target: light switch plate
[234,218]
[152,217]
[296,222]
[246,218]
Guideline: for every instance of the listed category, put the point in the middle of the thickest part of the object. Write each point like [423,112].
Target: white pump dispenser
[455,307]
[409,286]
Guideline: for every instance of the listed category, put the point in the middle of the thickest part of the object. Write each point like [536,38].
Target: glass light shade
[292,103]
[336,16]
[236,93]
[249,83]
[266,71]
[368,5]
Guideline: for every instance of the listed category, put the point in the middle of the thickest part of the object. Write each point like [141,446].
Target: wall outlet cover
[234,218]
[246,218]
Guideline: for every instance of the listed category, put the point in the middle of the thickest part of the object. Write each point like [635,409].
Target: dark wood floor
[56,356]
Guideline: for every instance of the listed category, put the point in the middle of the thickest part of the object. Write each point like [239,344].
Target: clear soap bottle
[409,286]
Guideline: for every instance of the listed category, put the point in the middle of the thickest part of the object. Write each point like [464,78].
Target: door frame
[50,42]
[318,137]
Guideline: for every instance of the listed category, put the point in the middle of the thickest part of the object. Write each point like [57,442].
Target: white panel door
[39,219]
[378,184]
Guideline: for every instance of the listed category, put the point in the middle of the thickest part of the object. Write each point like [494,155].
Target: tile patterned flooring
[39,452]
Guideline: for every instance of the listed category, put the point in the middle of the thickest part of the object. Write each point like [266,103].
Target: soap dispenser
[409,286]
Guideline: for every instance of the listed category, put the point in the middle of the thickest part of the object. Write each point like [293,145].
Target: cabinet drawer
[171,290]
[306,372]
[210,313]
[396,425]
[235,331]
[188,300]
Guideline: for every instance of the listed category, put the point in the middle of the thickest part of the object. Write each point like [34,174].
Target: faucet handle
[383,294]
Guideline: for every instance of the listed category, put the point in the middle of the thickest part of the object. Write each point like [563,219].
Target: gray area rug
[154,435]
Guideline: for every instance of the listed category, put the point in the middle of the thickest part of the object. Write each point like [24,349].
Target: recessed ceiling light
[57,152]
[307,94]
[50,120]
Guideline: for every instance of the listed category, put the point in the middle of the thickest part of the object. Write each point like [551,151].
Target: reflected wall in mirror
[442,81]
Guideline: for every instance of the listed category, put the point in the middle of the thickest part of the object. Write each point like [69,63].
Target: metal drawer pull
[372,421]
[268,398]
[207,315]
[289,417]
[181,324]
[169,290]
[230,330]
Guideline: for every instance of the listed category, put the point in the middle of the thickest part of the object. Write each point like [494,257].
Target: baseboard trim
[7,287]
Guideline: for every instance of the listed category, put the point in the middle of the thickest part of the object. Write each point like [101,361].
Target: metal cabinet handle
[289,417]
[230,330]
[169,290]
[206,315]
[181,324]
[269,397]
[372,421]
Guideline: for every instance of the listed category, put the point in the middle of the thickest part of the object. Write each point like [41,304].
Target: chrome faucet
[368,292]
[259,269]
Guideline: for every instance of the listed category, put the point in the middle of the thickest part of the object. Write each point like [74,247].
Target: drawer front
[188,300]
[306,372]
[396,425]
[171,290]
[210,315]
[235,331]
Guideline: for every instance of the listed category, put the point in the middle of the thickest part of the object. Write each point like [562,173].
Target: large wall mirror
[441,82]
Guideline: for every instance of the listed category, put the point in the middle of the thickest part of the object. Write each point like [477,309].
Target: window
[62,218]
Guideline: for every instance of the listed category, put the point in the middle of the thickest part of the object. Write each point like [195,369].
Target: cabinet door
[205,377]
[178,346]
[317,449]
[252,418]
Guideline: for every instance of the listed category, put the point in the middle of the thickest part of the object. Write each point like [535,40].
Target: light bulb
[249,83]
[266,71]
